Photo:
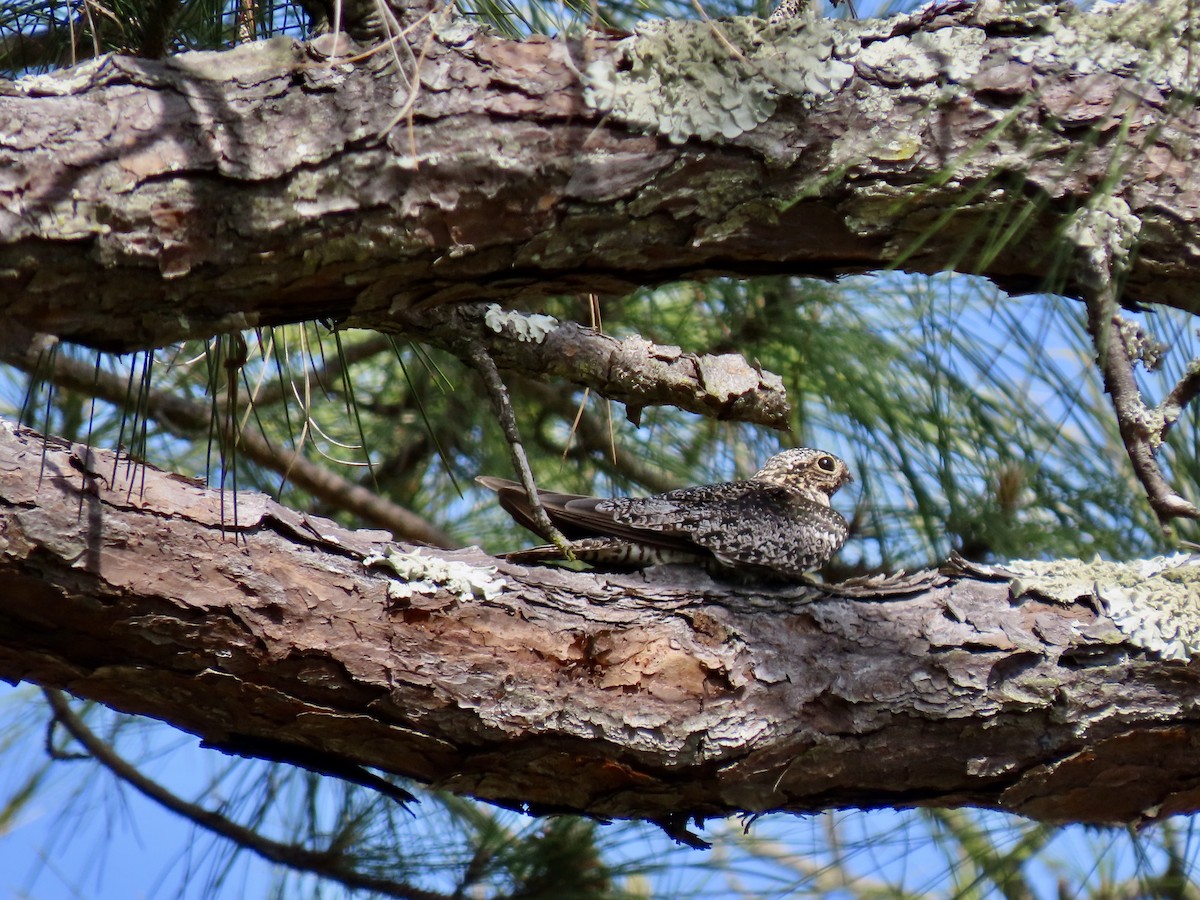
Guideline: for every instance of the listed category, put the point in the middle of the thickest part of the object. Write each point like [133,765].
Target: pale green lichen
[1104,233]
[719,78]
[1152,40]
[429,575]
[531,328]
[1155,603]
[948,54]
[1149,40]
[934,68]
[1105,230]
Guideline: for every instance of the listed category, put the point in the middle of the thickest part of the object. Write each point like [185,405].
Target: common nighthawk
[777,524]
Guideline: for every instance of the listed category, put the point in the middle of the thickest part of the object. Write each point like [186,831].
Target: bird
[803,9]
[777,524]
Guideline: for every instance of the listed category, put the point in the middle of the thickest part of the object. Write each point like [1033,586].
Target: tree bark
[664,695]
[146,201]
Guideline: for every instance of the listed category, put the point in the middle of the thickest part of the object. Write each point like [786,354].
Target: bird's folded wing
[515,502]
[578,516]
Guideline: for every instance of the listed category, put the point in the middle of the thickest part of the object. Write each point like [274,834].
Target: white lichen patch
[429,575]
[1152,40]
[1155,603]
[531,328]
[948,55]
[1105,230]
[1149,40]
[720,78]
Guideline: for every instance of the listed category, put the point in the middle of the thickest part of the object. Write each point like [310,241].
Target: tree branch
[1104,233]
[331,863]
[664,695]
[281,194]
[1183,393]
[193,420]
[632,371]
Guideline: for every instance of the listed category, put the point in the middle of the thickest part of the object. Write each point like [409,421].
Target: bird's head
[814,472]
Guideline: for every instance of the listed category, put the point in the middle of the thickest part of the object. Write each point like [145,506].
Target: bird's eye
[826,463]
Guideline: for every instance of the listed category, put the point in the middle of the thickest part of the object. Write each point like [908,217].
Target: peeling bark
[660,696]
[144,201]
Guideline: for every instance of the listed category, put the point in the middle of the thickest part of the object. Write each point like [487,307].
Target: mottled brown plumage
[776,524]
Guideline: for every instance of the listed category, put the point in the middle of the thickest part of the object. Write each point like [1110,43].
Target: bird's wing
[659,521]
[653,521]
[515,502]
[693,518]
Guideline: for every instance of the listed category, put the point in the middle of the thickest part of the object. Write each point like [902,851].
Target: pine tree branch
[1104,233]
[632,371]
[665,696]
[953,139]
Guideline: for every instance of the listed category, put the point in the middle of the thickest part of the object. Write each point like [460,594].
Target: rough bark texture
[662,697]
[146,201]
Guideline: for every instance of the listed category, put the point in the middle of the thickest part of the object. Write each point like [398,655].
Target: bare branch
[331,863]
[1104,234]
[633,371]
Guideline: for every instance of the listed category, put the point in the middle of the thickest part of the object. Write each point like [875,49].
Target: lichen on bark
[718,78]
[1154,603]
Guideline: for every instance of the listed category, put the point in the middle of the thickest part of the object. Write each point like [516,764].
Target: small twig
[1100,233]
[1181,395]
[483,363]
[675,826]
[328,863]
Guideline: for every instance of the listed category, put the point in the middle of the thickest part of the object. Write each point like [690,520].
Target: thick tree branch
[212,192]
[662,696]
